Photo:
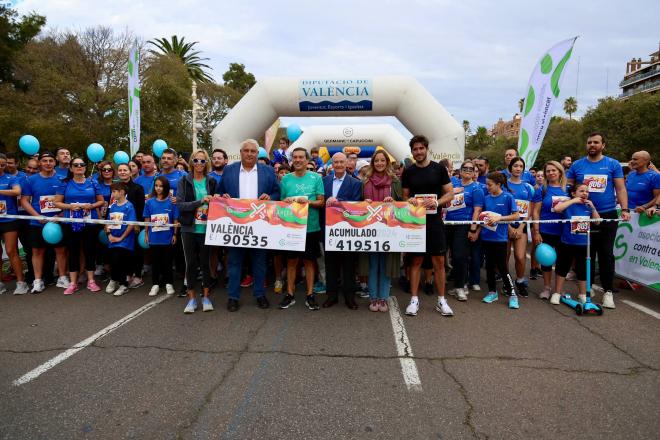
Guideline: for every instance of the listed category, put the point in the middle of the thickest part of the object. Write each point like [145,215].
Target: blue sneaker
[191,306]
[490,298]
[513,302]
[319,287]
[207,305]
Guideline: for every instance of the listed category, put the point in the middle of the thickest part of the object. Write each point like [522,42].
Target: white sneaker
[21,288]
[554,299]
[461,294]
[38,286]
[570,276]
[475,287]
[62,282]
[3,289]
[135,283]
[443,307]
[413,307]
[169,289]
[120,291]
[582,299]
[112,286]
[154,290]
[608,300]
[545,294]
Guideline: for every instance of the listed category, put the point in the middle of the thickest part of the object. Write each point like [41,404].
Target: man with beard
[566,162]
[604,176]
[218,161]
[148,173]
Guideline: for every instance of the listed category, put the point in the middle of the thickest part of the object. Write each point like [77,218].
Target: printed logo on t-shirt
[3,207]
[47,204]
[579,225]
[116,217]
[523,207]
[201,215]
[87,214]
[556,200]
[458,202]
[161,219]
[596,182]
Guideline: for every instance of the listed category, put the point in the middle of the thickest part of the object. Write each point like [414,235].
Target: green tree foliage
[215,101]
[238,79]
[570,106]
[15,34]
[564,137]
[178,48]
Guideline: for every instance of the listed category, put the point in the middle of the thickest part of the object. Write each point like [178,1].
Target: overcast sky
[475,57]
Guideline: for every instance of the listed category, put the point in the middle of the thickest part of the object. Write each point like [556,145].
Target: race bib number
[424,198]
[201,215]
[87,214]
[485,215]
[47,205]
[116,217]
[103,210]
[523,208]
[579,225]
[458,202]
[3,207]
[161,219]
[596,182]
[556,200]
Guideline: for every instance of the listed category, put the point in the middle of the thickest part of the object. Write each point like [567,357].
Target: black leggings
[137,259]
[88,240]
[566,255]
[161,264]
[197,257]
[495,253]
[555,242]
[119,264]
[458,243]
[602,246]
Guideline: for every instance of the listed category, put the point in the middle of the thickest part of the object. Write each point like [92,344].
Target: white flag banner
[542,92]
[134,98]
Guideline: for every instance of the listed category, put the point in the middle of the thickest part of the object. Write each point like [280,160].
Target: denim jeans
[379,282]
[235,263]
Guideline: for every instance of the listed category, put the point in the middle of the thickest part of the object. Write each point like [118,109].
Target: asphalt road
[488,372]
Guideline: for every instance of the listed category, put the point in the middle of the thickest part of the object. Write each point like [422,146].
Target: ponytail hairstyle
[499,178]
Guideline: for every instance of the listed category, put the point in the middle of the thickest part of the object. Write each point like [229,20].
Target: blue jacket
[267,181]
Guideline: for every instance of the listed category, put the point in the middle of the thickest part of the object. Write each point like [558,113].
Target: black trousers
[572,256]
[85,239]
[495,252]
[161,264]
[344,264]
[120,262]
[197,257]
[458,243]
[602,247]
[137,258]
[24,237]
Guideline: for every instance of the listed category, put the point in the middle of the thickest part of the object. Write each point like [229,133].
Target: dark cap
[46,154]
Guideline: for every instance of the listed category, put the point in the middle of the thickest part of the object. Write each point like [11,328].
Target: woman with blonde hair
[544,201]
[380,184]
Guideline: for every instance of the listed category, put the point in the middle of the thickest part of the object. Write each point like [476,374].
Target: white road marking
[41,369]
[641,308]
[403,348]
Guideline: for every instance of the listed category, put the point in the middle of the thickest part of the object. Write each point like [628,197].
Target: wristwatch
[625,210]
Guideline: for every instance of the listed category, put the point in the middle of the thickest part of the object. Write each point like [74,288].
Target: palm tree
[466,126]
[184,51]
[570,106]
[521,102]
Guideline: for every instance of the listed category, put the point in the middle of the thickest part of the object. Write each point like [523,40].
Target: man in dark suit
[248,180]
[339,186]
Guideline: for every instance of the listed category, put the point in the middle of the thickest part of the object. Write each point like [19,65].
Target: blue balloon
[29,144]
[293,132]
[158,147]
[103,237]
[545,254]
[95,152]
[263,154]
[121,157]
[141,240]
[52,233]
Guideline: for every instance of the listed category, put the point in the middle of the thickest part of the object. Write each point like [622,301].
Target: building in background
[641,76]
[508,129]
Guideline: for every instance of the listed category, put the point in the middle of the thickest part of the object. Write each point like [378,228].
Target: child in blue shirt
[161,239]
[121,238]
[574,240]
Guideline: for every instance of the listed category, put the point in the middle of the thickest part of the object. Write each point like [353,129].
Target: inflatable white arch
[400,96]
[355,135]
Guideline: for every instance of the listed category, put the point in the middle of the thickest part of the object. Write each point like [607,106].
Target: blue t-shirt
[8,203]
[640,187]
[523,192]
[62,172]
[147,183]
[217,177]
[462,205]
[85,192]
[504,204]
[552,196]
[160,211]
[599,176]
[574,233]
[174,178]
[125,212]
[19,175]
[43,191]
[526,176]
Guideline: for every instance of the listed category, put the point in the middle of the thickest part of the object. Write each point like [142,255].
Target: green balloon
[546,64]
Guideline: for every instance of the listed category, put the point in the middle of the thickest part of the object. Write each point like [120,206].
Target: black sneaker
[535,274]
[311,303]
[183,292]
[287,301]
[428,288]
[262,302]
[522,289]
[498,277]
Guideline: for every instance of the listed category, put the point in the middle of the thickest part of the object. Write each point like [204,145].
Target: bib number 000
[363,245]
[245,240]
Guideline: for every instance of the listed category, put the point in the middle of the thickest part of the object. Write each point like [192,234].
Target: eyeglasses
[79,165]
[467,169]
[202,161]
[107,170]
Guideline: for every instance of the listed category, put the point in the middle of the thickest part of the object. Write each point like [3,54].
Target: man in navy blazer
[339,186]
[248,179]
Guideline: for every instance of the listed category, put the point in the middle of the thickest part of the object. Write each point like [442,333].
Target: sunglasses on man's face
[199,161]
[79,165]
